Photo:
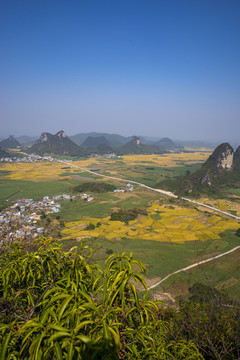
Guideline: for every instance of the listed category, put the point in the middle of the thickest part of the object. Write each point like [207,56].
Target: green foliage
[126,215]
[95,187]
[56,305]
[90,226]
[109,251]
[237,232]
[213,327]
[203,293]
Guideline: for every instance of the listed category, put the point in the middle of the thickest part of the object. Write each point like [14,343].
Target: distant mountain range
[92,144]
[114,140]
[220,171]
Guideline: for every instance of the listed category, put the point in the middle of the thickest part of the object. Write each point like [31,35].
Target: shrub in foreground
[56,305]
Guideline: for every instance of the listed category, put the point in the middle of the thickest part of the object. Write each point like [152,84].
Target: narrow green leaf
[105,331]
[59,334]
[64,305]
[57,327]
[115,336]
[85,339]
[4,346]
[84,323]
[58,351]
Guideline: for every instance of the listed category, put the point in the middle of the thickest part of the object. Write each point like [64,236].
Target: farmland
[175,224]
[136,166]
[166,235]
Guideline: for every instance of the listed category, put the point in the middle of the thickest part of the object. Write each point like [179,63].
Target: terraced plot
[176,224]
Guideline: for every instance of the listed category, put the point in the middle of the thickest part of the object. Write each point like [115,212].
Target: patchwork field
[170,235]
[163,223]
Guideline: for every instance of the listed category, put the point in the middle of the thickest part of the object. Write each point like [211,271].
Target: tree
[56,305]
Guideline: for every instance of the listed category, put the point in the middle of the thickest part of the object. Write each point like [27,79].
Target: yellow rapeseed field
[199,155]
[42,171]
[36,171]
[223,204]
[176,224]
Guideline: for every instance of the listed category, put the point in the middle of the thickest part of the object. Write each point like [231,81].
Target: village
[37,158]
[23,159]
[20,220]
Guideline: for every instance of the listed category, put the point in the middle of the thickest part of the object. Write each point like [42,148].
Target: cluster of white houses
[24,159]
[20,220]
[124,188]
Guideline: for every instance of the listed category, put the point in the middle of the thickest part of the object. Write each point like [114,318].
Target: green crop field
[13,189]
[102,205]
[222,273]
[161,259]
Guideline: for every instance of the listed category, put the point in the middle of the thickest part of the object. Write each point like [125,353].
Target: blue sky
[156,67]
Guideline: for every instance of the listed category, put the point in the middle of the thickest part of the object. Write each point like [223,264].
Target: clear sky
[134,67]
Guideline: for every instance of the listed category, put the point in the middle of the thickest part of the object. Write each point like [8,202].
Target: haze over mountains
[91,143]
[116,140]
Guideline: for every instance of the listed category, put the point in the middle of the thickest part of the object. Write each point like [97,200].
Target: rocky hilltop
[217,165]
[58,144]
[221,158]
[220,171]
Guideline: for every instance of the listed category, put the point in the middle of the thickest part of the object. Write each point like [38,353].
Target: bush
[55,305]
[126,215]
[109,251]
[94,187]
[213,328]
[237,232]
[90,226]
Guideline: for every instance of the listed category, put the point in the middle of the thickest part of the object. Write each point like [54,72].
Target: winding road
[192,266]
[167,193]
[170,194]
